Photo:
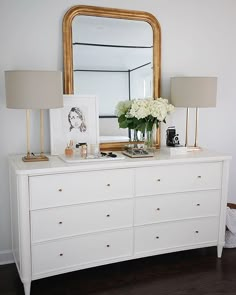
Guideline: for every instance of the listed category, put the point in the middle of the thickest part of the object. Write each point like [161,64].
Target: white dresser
[67,217]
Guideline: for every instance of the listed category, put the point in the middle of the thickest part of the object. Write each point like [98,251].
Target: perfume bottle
[69,149]
[83,151]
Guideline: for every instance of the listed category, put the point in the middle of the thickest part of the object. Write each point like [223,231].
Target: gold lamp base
[193,148]
[31,157]
[35,158]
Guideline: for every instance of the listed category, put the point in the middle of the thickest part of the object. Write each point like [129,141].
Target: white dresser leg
[27,286]
[219,251]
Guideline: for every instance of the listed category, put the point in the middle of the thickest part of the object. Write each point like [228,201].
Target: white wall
[198,38]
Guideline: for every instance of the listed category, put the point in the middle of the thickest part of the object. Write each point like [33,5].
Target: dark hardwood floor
[192,272]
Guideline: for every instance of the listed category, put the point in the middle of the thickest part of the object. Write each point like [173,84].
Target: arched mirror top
[139,17]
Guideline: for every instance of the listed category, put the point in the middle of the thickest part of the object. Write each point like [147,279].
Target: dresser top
[161,157]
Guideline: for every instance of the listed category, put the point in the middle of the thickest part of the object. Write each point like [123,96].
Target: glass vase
[136,141]
[149,139]
[136,136]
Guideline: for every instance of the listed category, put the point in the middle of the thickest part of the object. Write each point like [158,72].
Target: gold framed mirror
[111,14]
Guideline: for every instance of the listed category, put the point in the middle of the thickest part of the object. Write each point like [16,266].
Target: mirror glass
[112,59]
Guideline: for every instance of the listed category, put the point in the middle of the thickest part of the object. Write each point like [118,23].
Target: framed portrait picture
[77,121]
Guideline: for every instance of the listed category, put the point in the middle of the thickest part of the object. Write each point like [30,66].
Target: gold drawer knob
[60,189]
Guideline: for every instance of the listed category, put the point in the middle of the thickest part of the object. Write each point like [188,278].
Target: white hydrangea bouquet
[142,114]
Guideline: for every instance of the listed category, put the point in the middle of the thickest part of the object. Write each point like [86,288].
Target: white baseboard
[6,257]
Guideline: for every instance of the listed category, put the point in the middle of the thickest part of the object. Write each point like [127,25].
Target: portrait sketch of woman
[76,125]
[77,121]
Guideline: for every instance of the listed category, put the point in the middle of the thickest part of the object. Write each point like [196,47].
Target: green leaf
[150,125]
[140,124]
[123,124]
[121,118]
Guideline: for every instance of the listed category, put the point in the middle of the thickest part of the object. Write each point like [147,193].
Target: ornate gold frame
[111,13]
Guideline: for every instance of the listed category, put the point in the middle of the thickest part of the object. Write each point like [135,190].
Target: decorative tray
[137,151]
[78,159]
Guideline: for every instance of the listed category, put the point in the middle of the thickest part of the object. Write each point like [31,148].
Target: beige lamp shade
[34,89]
[193,92]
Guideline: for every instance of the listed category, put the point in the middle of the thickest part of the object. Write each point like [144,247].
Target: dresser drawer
[177,178]
[81,250]
[169,235]
[74,188]
[65,221]
[168,207]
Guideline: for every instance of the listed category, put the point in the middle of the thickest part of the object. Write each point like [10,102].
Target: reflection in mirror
[112,58]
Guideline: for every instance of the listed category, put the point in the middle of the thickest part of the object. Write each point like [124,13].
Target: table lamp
[34,90]
[193,92]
